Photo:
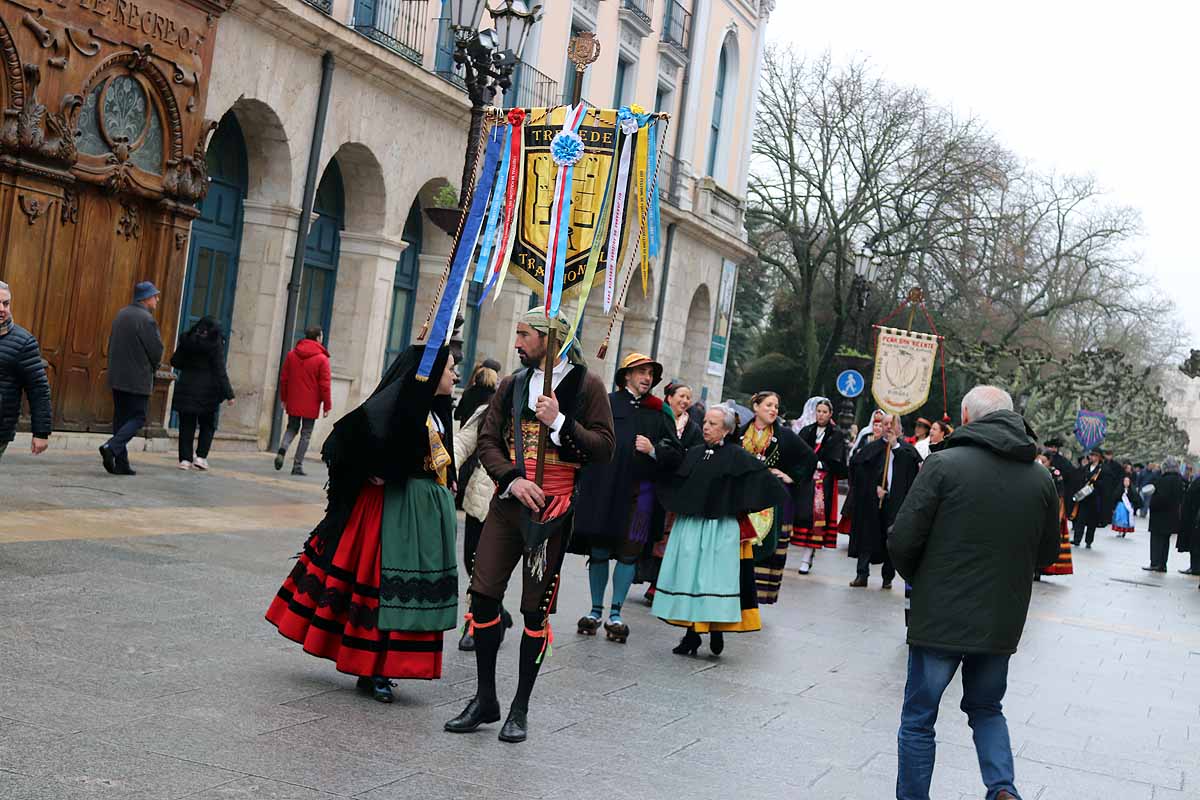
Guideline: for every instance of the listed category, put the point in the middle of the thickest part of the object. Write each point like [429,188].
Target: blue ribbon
[497,203]
[462,258]
[560,251]
[652,176]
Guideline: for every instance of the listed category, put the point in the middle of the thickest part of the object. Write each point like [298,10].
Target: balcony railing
[677,25]
[638,7]
[321,5]
[670,180]
[443,62]
[396,24]
[531,89]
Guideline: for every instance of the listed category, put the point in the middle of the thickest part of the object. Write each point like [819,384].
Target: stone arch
[431,232]
[697,336]
[268,152]
[365,192]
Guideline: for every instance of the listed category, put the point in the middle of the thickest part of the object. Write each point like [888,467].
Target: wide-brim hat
[1054,441]
[925,422]
[634,360]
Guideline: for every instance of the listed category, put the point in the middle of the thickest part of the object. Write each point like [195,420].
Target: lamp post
[866,270]
[488,58]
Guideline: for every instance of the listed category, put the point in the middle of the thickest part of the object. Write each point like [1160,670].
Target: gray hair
[728,416]
[1170,464]
[984,400]
[4,287]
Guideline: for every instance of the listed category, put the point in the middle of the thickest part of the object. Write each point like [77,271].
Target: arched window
[321,254]
[714,134]
[404,288]
[119,113]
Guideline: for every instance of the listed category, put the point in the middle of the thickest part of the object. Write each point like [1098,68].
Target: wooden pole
[583,49]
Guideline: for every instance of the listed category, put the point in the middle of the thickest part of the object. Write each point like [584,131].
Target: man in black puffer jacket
[21,370]
[978,523]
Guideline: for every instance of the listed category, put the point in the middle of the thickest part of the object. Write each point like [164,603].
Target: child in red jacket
[304,391]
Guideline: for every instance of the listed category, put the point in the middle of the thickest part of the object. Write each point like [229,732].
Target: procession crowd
[702,508]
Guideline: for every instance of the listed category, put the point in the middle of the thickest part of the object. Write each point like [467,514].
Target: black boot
[689,644]
[716,642]
[516,727]
[474,715]
[484,707]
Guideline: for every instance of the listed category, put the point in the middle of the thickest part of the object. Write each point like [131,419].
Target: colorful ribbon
[488,241]
[512,198]
[627,126]
[443,323]
[560,218]
[652,175]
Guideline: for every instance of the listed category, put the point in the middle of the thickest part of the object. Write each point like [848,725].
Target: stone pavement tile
[166,735]
[1065,783]
[1181,713]
[1111,743]
[252,788]
[80,768]
[502,767]
[326,769]
[58,708]
[841,784]
[426,786]
[745,755]
[1113,766]
[22,787]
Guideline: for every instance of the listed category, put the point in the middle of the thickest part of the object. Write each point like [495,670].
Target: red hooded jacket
[304,381]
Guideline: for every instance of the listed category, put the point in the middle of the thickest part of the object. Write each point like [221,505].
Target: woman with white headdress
[816,521]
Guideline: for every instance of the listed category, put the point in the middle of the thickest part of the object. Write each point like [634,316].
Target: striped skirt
[1062,565]
[768,572]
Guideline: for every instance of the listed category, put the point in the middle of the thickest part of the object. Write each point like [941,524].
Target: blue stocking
[598,579]
[622,580]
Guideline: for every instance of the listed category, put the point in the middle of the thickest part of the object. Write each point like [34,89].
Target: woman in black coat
[202,385]
[1166,504]
[792,462]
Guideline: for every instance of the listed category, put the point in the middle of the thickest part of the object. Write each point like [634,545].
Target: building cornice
[299,23]
[726,244]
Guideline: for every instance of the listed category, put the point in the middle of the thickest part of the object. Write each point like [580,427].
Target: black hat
[1054,441]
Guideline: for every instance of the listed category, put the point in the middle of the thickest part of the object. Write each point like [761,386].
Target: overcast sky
[1101,88]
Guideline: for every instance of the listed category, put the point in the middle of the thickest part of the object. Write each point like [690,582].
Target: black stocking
[531,649]
[487,645]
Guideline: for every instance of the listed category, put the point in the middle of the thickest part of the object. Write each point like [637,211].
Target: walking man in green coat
[979,522]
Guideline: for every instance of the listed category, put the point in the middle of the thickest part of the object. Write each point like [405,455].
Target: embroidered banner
[1090,428]
[904,363]
[589,178]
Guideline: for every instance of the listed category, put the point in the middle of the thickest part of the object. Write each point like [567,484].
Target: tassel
[603,352]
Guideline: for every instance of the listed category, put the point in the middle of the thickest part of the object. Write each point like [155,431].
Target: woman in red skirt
[816,523]
[1062,565]
[377,582]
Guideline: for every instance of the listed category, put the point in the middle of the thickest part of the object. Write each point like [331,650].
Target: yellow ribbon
[641,158]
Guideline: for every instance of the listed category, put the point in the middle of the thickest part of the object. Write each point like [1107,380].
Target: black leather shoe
[716,642]
[688,645]
[123,468]
[467,643]
[515,727]
[110,460]
[381,690]
[474,715]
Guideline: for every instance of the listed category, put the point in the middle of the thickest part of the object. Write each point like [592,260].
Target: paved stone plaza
[135,663]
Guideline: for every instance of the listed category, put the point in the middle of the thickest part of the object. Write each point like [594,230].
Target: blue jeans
[985,679]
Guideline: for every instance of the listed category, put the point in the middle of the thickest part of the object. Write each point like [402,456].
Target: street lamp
[488,58]
[866,269]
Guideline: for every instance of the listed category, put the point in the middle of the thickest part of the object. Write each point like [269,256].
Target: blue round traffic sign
[850,383]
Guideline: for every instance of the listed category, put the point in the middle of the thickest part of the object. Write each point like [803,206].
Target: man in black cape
[877,497]
[618,516]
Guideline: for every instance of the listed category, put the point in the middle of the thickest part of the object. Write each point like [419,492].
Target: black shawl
[719,482]
[832,456]
[385,437]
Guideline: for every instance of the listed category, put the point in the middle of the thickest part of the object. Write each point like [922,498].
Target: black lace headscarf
[385,437]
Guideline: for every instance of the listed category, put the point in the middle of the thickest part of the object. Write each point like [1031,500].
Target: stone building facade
[395,135]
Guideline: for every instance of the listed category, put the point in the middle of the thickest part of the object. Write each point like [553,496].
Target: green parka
[980,519]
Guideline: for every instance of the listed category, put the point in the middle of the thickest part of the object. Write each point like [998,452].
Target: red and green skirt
[824,529]
[333,613]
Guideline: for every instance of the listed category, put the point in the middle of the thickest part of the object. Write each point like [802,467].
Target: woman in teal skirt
[706,583]
[377,583]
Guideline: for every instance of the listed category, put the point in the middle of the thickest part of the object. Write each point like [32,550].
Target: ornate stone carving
[187,178]
[180,240]
[130,223]
[60,37]
[32,132]
[33,207]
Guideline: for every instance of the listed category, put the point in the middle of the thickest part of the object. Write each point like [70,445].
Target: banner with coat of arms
[903,369]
